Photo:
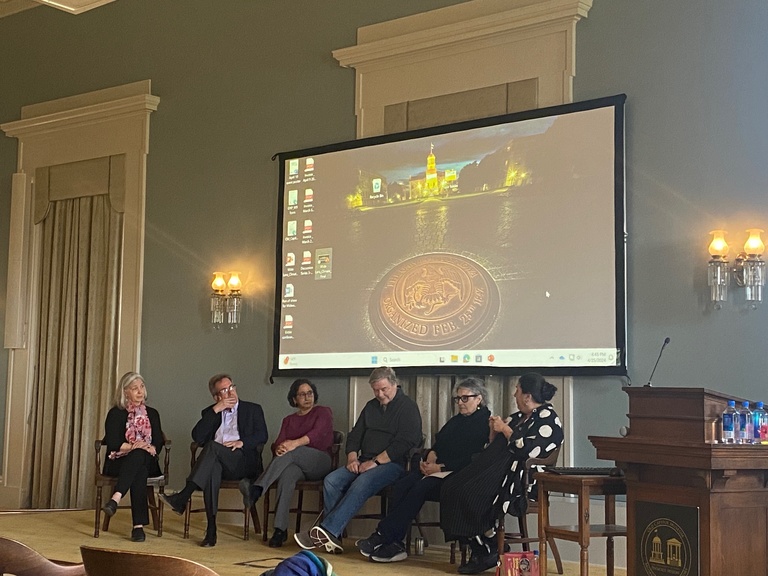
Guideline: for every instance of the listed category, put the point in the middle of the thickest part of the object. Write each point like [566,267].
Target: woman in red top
[301,452]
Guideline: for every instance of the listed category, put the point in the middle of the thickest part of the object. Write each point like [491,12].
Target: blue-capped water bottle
[728,421]
[759,424]
[744,434]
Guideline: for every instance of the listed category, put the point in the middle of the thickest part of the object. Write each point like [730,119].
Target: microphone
[650,378]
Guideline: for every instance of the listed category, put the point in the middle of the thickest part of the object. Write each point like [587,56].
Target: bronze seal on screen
[436,300]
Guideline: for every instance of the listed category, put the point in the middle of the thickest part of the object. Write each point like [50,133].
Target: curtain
[80,265]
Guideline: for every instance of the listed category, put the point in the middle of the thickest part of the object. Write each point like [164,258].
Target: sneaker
[251,493]
[368,546]
[322,537]
[392,552]
[110,507]
[304,540]
[176,501]
[479,563]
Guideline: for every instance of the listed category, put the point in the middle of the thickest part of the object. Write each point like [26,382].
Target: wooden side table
[583,487]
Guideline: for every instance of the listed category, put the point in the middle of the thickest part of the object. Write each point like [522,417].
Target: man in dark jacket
[231,432]
[377,450]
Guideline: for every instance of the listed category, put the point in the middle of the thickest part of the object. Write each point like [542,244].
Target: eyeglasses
[465,398]
[227,391]
[305,394]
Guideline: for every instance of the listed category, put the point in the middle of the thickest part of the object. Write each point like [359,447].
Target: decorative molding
[473,45]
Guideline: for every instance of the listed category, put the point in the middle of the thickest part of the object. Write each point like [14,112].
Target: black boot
[278,538]
[484,556]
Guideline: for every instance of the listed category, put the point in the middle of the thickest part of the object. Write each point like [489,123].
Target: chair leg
[160,511]
[265,511]
[299,508]
[522,521]
[453,552]
[152,504]
[187,517]
[255,518]
[556,554]
[246,523]
[98,513]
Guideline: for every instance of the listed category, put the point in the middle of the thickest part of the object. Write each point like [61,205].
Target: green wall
[242,79]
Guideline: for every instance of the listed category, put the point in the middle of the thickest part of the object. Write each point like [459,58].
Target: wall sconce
[226,306]
[748,270]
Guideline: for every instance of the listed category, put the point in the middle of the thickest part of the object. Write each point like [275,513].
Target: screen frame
[620,369]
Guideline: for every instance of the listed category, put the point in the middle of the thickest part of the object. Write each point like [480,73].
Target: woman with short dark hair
[301,452]
[471,500]
[462,436]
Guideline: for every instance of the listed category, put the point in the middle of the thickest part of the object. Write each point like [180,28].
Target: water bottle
[744,433]
[535,563]
[728,422]
[760,424]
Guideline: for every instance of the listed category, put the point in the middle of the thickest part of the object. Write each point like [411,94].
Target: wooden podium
[694,506]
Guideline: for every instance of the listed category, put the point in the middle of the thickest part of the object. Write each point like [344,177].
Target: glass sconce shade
[754,245]
[234,283]
[718,248]
[226,307]
[218,284]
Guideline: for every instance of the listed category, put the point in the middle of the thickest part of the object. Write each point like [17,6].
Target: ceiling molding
[8,7]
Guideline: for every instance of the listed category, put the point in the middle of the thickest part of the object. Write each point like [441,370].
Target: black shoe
[137,534]
[278,538]
[479,563]
[110,507]
[177,502]
[369,545]
[210,539]
[251,493]
[391,552]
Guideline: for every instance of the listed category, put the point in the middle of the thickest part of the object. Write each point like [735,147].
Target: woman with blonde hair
[134,438]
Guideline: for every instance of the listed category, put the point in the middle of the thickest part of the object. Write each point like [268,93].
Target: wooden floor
[59,534]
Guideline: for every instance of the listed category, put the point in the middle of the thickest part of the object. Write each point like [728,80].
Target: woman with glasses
[462,436]
[134,438]
[301,452]
[471,500]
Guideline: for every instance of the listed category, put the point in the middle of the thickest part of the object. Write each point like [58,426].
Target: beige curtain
[79,297]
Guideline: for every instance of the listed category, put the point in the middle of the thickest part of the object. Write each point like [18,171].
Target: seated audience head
[130,390]
[302,394]
[383,381]
[532,391]
[221,386]
[469,395]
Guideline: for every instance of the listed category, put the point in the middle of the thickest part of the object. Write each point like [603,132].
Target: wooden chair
[155,505]
[194,447]
[101,562]
[522,536]
[301,487]
[19,559]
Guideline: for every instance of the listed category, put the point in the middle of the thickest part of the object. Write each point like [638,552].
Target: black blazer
[251,426]
[114,436]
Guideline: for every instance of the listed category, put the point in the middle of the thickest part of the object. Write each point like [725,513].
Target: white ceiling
[8,7]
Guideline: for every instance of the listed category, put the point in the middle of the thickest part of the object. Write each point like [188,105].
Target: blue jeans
[345,492]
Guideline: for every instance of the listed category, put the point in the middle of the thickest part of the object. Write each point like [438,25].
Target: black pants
[132,471]
[408,496]
[216,463]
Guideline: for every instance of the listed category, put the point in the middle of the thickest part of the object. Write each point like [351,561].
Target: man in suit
[231,431]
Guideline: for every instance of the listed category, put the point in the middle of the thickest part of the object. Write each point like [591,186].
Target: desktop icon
[374,359]
[288,322]
[289,291]
[306,257]
[307,226]
[293,167]
[309,164]
[467,358]
[293,197]
[290,228]
[454,357]
[290,259]
[376,184]
[309,195]
[478,358]
[491,357]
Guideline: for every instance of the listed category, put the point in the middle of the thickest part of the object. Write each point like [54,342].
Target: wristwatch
[375,461]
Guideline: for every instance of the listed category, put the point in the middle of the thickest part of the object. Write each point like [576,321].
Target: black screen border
[617,102]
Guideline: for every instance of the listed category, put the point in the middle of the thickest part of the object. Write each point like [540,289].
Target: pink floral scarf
[137,428]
